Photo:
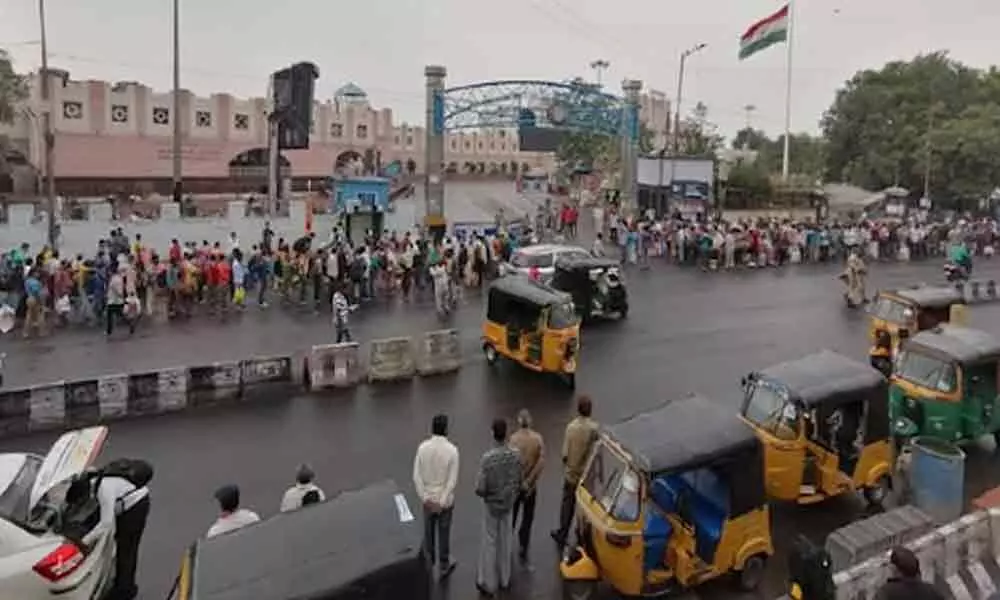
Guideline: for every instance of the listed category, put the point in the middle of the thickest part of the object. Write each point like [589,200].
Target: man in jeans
[435,475]
[577,442]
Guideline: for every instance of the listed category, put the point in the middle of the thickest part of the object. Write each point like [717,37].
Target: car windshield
[925,371]
[891,310]
[613,485]
[526,260]
[767,405]
[562,316]
[15,501]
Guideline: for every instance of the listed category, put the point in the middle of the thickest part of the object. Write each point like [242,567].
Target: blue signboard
[438,112]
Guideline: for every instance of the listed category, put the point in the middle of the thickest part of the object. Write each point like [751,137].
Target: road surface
[687,331]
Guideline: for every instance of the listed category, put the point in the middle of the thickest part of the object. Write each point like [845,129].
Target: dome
[351,93]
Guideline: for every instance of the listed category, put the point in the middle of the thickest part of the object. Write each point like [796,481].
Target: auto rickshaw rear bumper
[577,566]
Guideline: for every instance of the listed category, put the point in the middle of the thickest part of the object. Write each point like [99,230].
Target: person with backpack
[123,493]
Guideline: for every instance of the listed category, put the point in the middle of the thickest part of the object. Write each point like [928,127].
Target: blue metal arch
[505,104]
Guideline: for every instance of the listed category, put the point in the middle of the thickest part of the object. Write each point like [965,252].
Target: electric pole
[47,132]
[178,174]
[599,66]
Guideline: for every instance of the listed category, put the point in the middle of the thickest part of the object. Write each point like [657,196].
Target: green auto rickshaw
[945,385]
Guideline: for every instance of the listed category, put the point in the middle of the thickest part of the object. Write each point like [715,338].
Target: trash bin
[937,477]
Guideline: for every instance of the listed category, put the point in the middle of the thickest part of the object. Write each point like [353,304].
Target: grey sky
[382,45]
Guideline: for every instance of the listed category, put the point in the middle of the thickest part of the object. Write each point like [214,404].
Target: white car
[49,549]
[541,257]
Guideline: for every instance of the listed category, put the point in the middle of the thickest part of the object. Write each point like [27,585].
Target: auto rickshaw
[595,284]
[824,423]
[670,498]
[314,552]
[915,309]
[945,385]
[532,325]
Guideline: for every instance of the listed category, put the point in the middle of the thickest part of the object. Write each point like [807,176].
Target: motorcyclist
[960,256]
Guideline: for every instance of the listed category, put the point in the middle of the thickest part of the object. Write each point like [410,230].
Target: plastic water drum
[937,477]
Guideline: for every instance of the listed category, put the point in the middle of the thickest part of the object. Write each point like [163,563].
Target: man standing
[579,438]
[231,516]
[435,475]
[531,450]
[497,483]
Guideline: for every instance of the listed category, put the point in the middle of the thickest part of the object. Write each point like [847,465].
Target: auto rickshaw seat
[709,500]
[656,533]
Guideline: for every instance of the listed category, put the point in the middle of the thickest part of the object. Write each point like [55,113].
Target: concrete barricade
[978,291]
[15,411]
[391,359]
[215,384]
[961,559]
[442,352]
[47,406]
[112,396]
[864,539]
[265,370]
[334,366]
[83,405]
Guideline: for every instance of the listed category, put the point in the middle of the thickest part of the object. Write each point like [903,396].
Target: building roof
[350,91]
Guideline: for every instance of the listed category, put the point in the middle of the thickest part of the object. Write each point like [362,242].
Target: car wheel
[876,495]
[752,573]
[491,354]
[579,590]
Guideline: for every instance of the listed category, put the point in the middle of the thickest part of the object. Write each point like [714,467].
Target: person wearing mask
[435,475]
[124,505]
[231,516]
[294,497]
[577,442]
[497,483]
[905,583]
[531,450]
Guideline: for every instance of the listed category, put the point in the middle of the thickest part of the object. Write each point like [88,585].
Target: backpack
[134,470]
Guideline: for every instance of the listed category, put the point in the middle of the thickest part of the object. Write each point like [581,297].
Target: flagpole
[788,92]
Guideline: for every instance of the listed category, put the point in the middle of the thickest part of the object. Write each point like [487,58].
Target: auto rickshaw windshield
[926,371]
[891,310]
[767,405]
[563,316]
[614,485]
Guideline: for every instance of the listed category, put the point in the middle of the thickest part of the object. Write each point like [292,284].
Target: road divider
[960,559]
[391,359]
[978,291]
[442,352]
[334,366]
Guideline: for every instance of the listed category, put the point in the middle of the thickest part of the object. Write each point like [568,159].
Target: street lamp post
[599,66]
[675,130]
[47,133]
[178,176]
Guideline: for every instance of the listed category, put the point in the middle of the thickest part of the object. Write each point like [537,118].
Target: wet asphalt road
[687,331]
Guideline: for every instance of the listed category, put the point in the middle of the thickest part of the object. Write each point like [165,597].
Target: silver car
[541,257]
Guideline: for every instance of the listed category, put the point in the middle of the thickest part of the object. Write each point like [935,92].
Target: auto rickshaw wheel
[579,590]
[491,354]
[570,380]
[878,493]
[752,572]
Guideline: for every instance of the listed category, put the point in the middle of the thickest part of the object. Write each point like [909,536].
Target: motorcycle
[956,273]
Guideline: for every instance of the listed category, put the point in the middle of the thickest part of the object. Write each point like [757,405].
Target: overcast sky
[383,45]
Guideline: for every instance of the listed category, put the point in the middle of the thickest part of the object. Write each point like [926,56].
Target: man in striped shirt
[498,483]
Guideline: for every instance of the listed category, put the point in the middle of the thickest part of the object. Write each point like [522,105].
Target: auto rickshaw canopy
[827,378]
[684,434]
[963,345]
[528,291]
[361,545]
[932,297]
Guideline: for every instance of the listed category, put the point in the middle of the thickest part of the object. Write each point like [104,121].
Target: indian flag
[765,33]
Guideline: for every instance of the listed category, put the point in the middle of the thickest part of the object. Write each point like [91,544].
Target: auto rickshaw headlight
[904,427]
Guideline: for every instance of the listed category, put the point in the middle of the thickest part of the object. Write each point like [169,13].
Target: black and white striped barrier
[72,404]
[978,291]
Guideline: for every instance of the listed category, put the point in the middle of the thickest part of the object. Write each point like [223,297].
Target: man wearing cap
[531,450]
[294,497]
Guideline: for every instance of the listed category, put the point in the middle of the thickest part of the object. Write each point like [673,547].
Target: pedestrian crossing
[977,580]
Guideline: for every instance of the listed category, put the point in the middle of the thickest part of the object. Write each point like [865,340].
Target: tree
[807,153]
[748,181]
[698,136]
[886,126]
[13,91]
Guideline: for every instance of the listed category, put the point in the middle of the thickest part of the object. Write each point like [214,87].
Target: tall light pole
[676,129]
[47,133]
[599,66]
[178,174]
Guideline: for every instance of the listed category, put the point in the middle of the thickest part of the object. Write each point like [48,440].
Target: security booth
[361,203]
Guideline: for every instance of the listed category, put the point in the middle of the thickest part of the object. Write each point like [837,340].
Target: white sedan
[541,258]
[49,549]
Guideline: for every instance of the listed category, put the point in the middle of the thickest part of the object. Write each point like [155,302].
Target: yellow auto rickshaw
[915,309]
[532,325]
[824,423]
[670,498]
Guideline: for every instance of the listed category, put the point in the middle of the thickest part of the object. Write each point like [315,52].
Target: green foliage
[883,123]
[13,89]
[698,136]
[748,181]
[807,154]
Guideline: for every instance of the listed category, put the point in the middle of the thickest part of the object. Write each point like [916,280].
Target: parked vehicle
[540,260]
[914,309]
[596,285]
[49,549]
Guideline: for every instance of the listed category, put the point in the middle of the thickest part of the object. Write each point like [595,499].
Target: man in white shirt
[125,506]
[435,475]
[292,500]
[442,289]
[231,516]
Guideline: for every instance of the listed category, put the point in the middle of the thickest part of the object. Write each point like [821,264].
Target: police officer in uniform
[127,505]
